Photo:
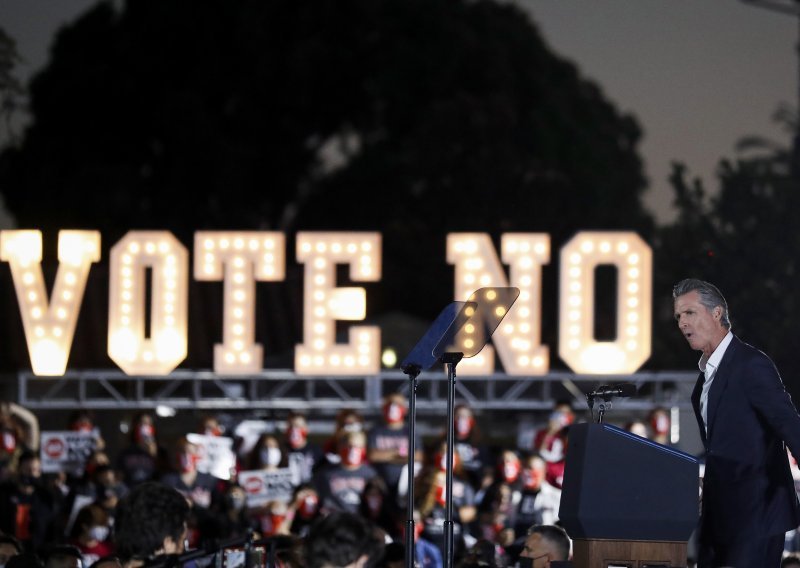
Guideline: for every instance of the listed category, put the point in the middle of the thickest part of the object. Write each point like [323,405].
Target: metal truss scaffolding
[285,390]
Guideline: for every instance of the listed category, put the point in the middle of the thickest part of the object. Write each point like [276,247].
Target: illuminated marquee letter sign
[632,258]
[518,339]
[324,303]
[49,325]
[240,259]
[128,347]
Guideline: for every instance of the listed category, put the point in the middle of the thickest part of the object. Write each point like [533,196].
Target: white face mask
[98,532]
[271,456]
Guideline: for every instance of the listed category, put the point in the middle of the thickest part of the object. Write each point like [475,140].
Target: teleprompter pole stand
[413,372]
[450,361]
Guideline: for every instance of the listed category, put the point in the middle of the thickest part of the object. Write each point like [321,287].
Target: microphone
[606,392]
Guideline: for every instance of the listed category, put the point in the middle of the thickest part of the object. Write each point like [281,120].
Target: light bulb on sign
[324,303]
[254,256]
[128,343]
[49,324]
[475,259]
[577,345]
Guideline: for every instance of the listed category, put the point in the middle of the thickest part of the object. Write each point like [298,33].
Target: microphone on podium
[606,393]
[624,390]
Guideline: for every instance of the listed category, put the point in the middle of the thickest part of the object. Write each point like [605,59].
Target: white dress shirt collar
[716,357]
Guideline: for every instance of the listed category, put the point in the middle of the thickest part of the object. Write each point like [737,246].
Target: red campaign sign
[253,485]
[55,448]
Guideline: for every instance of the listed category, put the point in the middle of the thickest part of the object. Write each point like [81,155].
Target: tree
[742,240]
[10,87]
[413,117]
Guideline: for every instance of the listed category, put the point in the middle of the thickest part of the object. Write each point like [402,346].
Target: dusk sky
[698,74]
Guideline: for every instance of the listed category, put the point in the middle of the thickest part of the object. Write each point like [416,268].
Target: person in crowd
[545,545]
[19,431]
[274,519]
[200,489]
[340,486]
[23,422]
[82,420]
[151,521]
[660,424]
[379,509]
[551,442]
[144,459]
[387,443]
[231,518]
[637,427]
[9,547]
[484,553]
[468,444]
[539,501]
[90,534]
[110,561]
[427,554]
[430,497]
[497,508]
[348,420]
[27,510]
[304,510]
[342,540]
[63,556]
[99,483]
[210,426]
[790,561]
[740,403]
[25,560]
[302,456]
[266,454]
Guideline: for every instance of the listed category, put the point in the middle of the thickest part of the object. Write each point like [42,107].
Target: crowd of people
[498,493]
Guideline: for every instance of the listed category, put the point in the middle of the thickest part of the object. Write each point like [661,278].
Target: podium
[627,501]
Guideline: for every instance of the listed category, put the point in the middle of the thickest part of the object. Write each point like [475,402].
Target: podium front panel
[620,486]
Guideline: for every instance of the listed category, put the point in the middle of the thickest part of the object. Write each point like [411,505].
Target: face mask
[532,478]
[99,532]
[9,441]
[441,495]
[510,471]
[145,433]
[309,506]
[464,426]
[213,431]
[394,413]
[271,523]
[561,418]
[297,436]
[660,424]
[270,456]
[353,456]
[187,463]
[236,501]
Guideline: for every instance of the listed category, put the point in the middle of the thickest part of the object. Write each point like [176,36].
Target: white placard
[215,455]
[262,486]
[66,451]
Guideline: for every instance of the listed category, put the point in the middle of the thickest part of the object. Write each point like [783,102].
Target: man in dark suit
[746,420]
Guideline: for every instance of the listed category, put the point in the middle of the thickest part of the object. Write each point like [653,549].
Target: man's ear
[361,562]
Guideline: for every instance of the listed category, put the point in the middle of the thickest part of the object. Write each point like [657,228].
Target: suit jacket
[748,488]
